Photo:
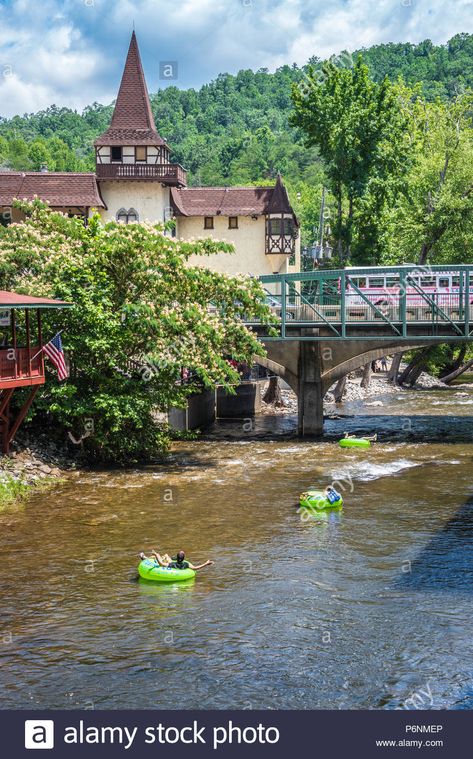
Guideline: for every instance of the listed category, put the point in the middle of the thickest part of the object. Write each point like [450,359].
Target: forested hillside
[234,129]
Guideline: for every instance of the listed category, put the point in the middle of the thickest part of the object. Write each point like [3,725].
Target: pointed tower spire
[279,202]
[133,109]
[132,121]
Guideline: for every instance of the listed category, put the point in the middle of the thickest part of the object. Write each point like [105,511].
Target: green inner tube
[354,442]
[316,500]
[150,570]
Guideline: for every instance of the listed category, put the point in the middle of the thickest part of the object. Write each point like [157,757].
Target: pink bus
[382,289]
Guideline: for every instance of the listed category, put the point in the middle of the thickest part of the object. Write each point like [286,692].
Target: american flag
[55,352]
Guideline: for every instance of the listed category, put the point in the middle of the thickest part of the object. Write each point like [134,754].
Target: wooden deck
[21,367]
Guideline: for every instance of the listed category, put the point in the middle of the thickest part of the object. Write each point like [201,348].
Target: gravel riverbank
[33,461]
[379,386]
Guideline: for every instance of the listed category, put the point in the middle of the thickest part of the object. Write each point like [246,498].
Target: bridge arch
[310,367]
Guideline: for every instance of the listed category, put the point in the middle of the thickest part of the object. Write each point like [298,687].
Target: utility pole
[321,221]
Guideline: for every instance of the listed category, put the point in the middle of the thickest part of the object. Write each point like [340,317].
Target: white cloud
[71,52]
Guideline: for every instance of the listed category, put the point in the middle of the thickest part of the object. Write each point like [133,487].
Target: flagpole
[40,351]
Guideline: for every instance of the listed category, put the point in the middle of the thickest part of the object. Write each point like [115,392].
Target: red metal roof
[132,121]
[16,300]
[59,189]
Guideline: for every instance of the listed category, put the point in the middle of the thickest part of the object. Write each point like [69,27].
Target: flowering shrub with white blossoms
[137,303]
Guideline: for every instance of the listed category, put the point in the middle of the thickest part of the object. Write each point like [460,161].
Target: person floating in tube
[331,494]
[177,563]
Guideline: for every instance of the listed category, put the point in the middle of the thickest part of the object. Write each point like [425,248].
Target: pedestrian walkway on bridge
[405,302]
[332,322]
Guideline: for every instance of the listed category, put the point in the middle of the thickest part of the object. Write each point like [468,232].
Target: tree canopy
[215,130]
[140,314]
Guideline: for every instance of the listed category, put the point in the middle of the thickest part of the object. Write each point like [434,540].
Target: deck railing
[168,173]
[21,366]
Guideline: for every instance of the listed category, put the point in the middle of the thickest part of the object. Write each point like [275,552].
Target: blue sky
[71,52]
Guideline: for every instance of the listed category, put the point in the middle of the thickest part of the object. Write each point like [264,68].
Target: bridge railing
[333,301]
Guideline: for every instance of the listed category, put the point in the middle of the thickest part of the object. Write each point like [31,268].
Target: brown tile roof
[279,202]
[231,201]
[59,189]
[130,137]
[225,201]
[132,121]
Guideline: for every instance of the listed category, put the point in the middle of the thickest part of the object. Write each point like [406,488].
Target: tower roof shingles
[132,121]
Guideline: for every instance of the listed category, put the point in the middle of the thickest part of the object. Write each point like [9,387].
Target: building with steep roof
[136,180]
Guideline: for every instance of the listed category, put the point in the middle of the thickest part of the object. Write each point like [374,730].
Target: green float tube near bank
[316,500]
[354,442]
[150,570]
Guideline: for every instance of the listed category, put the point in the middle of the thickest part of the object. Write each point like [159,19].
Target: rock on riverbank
[33,461]
[378,386]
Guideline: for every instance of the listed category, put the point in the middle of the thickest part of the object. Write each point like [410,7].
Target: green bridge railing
[406,302]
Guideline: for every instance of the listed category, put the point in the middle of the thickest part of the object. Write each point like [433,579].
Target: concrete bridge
[333,322]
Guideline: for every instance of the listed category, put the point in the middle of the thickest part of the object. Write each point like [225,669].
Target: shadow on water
[464,703]
[446,562]
[419,428]
[164,589]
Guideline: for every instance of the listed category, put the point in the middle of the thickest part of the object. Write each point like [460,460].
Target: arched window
[126,217]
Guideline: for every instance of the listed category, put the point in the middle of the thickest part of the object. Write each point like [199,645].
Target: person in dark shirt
[177,563]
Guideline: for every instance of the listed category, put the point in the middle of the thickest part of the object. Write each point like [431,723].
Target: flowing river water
[368,608]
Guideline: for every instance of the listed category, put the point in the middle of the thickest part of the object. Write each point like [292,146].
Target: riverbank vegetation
[12,490]
[140,315]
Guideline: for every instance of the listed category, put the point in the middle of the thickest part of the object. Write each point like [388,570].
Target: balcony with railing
[168,173]
[20,367]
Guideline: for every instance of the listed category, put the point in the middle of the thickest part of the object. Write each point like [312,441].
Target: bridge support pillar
[310,396]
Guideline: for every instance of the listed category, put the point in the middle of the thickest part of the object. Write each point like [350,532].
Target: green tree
[432,222]
[40,155]
[3,151]
[359,130]
[140,314]
[17,157]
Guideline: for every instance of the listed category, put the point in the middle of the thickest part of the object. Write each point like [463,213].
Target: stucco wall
[149,199]
[248,239]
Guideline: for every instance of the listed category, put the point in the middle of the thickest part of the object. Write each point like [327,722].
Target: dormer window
[141,154]
[117,153]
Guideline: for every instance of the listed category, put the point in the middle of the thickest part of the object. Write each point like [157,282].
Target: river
[369,608]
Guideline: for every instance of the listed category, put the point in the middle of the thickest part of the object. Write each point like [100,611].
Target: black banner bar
[196,734]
